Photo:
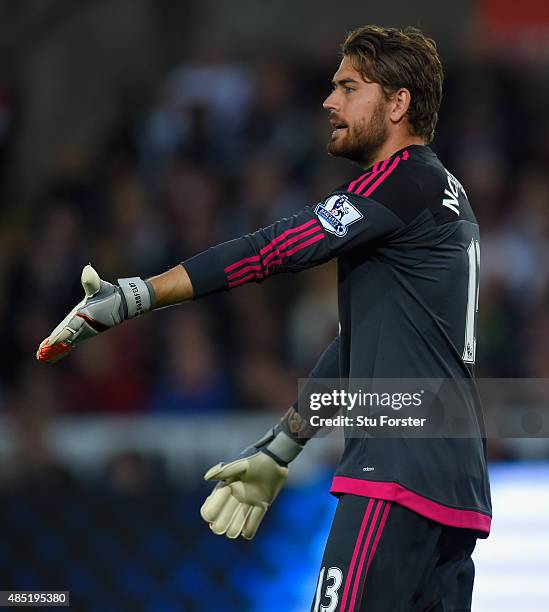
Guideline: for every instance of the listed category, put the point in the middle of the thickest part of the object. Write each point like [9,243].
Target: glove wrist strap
[284,447]
[138,295]
[279,445]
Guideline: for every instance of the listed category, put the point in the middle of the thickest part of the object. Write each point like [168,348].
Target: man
[407,243]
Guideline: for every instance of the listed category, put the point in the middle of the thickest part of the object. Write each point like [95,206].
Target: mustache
[337,121]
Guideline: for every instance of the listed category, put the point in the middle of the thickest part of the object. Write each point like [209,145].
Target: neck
[394,144]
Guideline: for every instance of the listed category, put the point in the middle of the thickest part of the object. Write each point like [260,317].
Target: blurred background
[135,133]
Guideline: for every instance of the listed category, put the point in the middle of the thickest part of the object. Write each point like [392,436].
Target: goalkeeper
[407,245]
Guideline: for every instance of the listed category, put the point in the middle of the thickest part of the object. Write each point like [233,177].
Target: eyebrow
[343,82]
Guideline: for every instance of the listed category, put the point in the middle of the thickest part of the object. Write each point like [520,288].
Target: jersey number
[334,574]
[470,346]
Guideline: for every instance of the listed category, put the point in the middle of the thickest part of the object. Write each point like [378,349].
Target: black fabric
[417,566]
[407,244]
[206,273]
[295,424]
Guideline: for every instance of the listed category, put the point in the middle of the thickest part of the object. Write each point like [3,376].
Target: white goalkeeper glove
[248,485]
[104,306]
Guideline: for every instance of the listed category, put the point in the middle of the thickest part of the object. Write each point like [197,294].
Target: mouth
[338,128]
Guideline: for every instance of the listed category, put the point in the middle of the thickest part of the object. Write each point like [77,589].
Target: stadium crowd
[227,147]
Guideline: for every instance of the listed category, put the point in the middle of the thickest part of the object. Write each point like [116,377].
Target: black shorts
[382,557]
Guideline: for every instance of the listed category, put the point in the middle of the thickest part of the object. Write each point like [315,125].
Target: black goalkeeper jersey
[407,244]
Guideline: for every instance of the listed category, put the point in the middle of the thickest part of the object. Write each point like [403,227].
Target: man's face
[358,114]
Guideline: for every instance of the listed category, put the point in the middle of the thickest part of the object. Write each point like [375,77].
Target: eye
[348,89]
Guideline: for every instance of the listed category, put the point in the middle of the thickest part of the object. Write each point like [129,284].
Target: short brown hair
[396,58]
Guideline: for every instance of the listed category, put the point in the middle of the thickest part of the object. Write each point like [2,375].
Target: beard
[361,141]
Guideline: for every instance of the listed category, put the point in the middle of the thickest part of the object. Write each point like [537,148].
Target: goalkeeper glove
[104,306]
[249,484]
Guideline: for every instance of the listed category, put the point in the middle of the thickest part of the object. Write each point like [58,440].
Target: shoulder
[391,183]
[410,182]
[376,179]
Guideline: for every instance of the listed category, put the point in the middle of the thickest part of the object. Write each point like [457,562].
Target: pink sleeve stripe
[376,168]
[289,232]
[250,268]
[378,180]
[356,551]
[370,178]
[262,263]
[358,576]
[356,181]
[284,245]
[359,184]
[365,178]
[261,271]
[305,244]
[241,281]
[435,511]
[270,245]
[385,164]
[240,262]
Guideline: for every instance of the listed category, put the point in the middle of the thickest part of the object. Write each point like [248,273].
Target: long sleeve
[309,238]
[286,439]
[295,422]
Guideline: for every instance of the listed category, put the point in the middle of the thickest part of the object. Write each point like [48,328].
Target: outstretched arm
[308,238]
[172,287]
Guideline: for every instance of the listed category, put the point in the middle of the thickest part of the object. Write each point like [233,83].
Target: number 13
[335,574]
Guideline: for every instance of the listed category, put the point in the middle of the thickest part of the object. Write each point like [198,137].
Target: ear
[400,102]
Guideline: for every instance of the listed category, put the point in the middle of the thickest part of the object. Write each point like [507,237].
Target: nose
[330,104]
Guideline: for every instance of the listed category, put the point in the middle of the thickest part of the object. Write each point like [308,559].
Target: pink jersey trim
[378,168]
[261,265]
[363,184]
[272,243]
[356,181]
[391,491]
[384,164]
[259,271]
[380,180]
[289,232]
[243,280]
[287,243]
[305,244]
[250,268]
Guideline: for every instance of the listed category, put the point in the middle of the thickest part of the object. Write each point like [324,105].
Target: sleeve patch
[337,213]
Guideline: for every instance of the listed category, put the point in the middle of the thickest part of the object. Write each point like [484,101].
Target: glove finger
[70,325]
[227,471]
[238,521]
[253,521]
[67,333]
[223,520]
[51,354]
[90,281]
[214,503]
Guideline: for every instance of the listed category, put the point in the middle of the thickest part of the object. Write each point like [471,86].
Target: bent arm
[288,437]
